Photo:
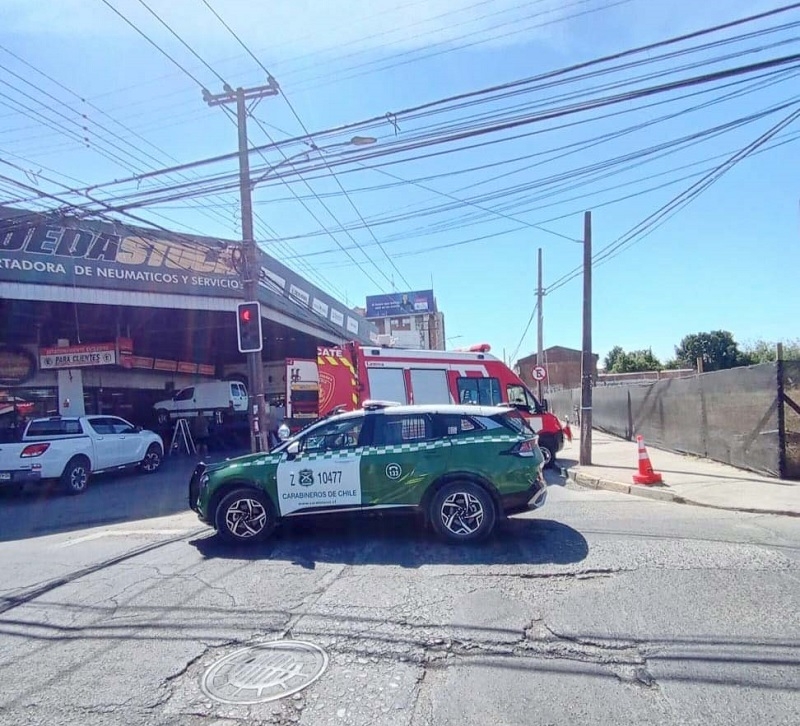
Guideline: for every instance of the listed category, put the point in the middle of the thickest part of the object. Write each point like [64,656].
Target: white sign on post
[539,373]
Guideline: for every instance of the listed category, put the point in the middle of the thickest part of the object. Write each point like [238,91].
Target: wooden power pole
[587,367]
[257,410]
[540,323]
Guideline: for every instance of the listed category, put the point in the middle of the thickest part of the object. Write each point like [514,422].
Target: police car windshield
[302,432]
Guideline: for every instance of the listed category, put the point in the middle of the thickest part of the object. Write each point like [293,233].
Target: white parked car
[214,396]
[70,449]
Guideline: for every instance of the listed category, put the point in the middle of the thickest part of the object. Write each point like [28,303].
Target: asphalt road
[600,608]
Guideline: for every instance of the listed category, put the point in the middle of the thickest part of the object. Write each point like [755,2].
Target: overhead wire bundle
[596,93]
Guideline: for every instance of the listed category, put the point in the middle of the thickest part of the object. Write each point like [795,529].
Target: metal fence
[746,417]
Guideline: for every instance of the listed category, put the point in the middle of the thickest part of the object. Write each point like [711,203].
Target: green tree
[610,360]
[644,360]
[717,348]
[764,352]
[635,361]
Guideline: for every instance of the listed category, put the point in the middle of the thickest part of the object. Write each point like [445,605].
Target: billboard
[52,249]
[400,303]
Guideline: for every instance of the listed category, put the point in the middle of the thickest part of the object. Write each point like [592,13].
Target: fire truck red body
[354,373]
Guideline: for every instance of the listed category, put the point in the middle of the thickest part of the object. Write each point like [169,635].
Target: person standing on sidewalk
[201,433]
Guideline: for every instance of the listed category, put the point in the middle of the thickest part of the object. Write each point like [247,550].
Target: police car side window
[395,430]
[459,425]
[334,436]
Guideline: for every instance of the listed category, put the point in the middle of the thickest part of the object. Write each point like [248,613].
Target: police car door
[407,453]
[325,474]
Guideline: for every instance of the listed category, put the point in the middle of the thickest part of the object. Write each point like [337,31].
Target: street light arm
[277,166]
[355,141]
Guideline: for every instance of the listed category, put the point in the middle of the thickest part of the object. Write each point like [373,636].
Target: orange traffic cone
[646,474]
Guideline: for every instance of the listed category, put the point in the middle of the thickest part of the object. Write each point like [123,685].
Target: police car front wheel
[244,515]
[462,512]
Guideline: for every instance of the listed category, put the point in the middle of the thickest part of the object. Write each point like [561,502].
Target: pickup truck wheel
[152,459]
[75,478]
[462,511]
[244,515]
[162,416]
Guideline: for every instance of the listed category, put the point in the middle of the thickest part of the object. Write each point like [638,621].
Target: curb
[591,482]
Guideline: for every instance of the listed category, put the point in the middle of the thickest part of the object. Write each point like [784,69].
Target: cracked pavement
[596,609]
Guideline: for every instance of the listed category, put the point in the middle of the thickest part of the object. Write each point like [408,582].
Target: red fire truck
[354,373]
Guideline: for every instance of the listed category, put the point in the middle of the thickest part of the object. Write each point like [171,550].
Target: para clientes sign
[78,356]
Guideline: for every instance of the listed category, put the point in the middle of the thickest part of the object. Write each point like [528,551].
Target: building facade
[407,320]
[102,317]
[563,366]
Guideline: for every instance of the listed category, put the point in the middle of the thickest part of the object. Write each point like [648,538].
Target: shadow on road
[402,541]
[110,499]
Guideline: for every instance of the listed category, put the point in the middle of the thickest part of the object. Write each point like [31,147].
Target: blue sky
[728,260]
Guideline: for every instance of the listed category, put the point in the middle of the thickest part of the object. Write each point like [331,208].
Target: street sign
[539,373]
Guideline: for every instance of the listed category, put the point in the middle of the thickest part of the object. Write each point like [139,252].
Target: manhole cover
[264,672]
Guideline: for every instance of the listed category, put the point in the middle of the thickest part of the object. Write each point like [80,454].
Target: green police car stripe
[404,448]
[484,440]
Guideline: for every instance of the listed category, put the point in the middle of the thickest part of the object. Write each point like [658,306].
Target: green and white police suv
[461,466]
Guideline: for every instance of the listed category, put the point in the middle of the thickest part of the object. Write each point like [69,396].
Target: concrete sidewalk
[687,479]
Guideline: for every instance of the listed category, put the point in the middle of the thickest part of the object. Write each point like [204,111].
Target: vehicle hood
[244,462]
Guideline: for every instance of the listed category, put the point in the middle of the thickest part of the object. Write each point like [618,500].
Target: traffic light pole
[255,366]
[257,410]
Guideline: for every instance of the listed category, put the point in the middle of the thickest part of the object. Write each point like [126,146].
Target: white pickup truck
[70,449]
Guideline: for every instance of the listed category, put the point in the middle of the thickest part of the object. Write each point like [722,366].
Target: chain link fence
[746,417]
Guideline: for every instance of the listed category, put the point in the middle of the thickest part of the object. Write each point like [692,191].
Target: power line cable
[186,45]
[525,332]
[549,115]
[309,137]
[153,43]
[677,203]
[182,42]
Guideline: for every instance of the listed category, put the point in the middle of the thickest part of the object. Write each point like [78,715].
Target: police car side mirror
[293,449]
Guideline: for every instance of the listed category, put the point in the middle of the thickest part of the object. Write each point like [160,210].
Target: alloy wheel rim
[151,461]
[462,513]
[546,454]
[246,518]
[78,478]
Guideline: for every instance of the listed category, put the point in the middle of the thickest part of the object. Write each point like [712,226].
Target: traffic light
[248,327]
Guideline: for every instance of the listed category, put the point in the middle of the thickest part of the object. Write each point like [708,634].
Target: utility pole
[540,323]
[257,410]
[587,377]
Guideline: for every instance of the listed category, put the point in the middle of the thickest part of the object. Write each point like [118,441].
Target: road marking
[119,533]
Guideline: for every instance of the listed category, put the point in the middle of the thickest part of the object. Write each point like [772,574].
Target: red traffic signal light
[248,327]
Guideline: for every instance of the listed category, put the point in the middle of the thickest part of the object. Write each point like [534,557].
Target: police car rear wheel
[462,512]
[244,515]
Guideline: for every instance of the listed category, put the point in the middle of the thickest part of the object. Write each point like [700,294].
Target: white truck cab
[223,396]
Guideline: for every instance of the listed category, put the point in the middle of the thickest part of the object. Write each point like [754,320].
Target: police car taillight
[34,450]
[526,448]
